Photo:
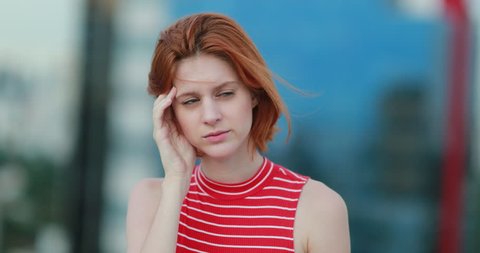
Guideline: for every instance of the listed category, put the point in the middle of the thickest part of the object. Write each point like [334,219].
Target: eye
[225,94]
[190,101]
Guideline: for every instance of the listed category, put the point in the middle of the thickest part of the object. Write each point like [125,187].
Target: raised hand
[177,154]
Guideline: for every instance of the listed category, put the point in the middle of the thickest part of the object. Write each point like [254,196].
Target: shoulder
[285,173]
[322,214]
[320,197]
[143,202]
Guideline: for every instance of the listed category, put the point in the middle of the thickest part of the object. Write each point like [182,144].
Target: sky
[36,32]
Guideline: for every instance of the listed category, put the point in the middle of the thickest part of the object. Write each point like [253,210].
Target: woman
[216,101]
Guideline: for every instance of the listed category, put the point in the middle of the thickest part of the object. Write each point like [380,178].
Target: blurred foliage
[38,203]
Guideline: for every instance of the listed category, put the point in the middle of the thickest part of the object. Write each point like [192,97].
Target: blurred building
[75,117]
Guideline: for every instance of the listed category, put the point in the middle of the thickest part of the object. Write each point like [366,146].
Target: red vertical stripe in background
[455,143]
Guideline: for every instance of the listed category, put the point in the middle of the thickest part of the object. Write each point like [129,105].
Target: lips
[216,136]
[216,133]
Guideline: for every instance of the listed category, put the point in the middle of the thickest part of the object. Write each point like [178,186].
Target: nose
[211,112]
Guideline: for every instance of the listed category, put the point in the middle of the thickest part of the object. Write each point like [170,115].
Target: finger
[164,100]
[160,105]
[165,97]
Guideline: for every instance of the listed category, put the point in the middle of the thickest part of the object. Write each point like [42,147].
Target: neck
[233,169]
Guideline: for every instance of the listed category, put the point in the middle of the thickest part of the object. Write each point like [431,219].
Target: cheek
[184,122]
[178,118]
[245,116]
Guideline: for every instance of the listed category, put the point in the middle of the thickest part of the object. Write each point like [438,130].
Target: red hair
[220,36]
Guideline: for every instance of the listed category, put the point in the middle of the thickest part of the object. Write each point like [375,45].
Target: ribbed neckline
[240,190]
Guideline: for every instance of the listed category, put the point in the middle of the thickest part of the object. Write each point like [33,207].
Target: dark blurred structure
[87,177]
[407,168]
[404,152]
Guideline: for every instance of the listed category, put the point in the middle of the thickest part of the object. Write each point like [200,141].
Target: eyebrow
[218,87]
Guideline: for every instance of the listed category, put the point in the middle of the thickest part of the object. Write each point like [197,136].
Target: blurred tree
[34,199]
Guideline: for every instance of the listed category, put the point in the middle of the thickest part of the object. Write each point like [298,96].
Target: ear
[254,101]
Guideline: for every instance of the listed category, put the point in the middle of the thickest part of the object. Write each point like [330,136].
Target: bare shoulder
[322,217]
[142,205]
[320,198]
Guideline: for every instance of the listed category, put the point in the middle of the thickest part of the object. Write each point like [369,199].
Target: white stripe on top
[234,226]
[238,236]
[258,173]
[239,216]
[235,246]
[202,183]
[237,206]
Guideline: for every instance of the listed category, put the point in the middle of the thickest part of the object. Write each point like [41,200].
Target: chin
[220,151]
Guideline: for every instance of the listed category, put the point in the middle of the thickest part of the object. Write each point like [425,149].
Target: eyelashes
[220,95]
[226,94]
[190,101]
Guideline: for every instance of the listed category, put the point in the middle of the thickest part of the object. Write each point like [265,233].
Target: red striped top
[254,216]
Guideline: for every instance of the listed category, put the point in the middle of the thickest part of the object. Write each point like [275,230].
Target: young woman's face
[212,107]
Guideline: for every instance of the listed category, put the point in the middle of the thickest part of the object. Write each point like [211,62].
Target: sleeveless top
[255,216]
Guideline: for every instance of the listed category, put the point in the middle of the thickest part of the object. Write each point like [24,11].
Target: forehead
[204,68]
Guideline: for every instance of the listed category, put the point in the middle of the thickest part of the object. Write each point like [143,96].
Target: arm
[154,206]
[325,220]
